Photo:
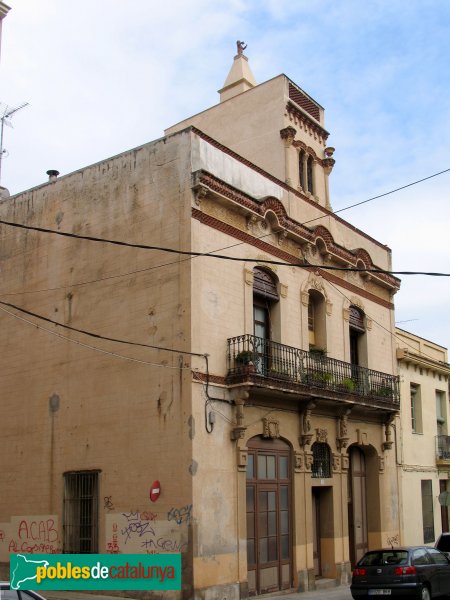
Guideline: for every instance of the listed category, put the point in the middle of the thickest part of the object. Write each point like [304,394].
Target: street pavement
[341,592]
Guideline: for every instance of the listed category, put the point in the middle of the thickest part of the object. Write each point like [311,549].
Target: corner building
[258,395]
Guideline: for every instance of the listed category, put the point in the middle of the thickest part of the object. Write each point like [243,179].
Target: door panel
[269,539]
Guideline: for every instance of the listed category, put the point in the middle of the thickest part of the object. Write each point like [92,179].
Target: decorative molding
[362,437]
[306,433]
[381,464]
[345,462]
[288,135]
[283,290]
[248,276]
[271,428]
[309,459]
[346,314]
[322,435]
[242,459]
[336,463]
[243,236]
[298,462]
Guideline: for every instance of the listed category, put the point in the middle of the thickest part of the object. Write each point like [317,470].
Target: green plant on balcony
[347,384]
[279,373]
[245,357]
[383,391]
[319,378]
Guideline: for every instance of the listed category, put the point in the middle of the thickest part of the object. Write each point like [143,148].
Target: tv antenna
[6,113]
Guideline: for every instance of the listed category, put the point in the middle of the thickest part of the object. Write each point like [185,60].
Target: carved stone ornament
[387,444]
[306,432]
[282,237]
[298,462]
[346,314]
[381,464]
[336,463]
[288,135]
[271,428]
[200,193]
[345,462]
[342,439]
[309,459]
[237,433]
[283,290]
[321,435]
[248,276]
[242,459]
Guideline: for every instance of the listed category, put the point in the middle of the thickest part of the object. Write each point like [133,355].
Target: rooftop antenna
[5,119]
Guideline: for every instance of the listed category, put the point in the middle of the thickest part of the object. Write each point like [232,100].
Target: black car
[443,543]
[411,572]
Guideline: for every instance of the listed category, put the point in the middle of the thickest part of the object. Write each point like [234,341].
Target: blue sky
[107,76]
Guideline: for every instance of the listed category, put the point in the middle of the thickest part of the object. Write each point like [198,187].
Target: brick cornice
[319,236]
[242,236]
[283,185]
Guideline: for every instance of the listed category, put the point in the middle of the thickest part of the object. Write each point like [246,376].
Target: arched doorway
[269,516]
[357,505]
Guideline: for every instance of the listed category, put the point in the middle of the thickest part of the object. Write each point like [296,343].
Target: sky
[106,76]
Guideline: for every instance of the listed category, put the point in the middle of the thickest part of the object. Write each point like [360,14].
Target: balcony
[264,363]
[443,449]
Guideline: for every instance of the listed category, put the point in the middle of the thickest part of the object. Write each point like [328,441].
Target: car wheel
[425,595]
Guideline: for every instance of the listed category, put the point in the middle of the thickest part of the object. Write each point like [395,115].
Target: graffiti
[38,530]
[112,547]
[180,515]
[138,527]
[148,516]
[136,532]
[393,541]
[2,535]
[166,545]
[132,516]
[107,503]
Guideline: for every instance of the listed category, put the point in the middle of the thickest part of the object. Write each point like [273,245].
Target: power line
[97,335]
[303,264]
[403,187]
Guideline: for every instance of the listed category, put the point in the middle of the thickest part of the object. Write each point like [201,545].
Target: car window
[421,557]
[444,543]
[437,557]
[385,557]
[8,595]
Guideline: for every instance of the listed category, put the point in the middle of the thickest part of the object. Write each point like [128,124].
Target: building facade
[258,392]
[424,438]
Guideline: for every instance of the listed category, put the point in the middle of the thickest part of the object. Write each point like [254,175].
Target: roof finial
[241,46]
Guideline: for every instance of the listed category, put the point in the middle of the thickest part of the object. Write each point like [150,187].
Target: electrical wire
[302,264]
[97,335]
[89,346]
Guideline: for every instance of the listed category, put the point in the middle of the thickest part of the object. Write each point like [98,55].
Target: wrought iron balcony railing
[259,359]
[443,447]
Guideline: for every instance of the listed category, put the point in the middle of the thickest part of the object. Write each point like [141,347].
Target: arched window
[301,169]
[317,321]
[265,299]
[321,467]
[357,336]
[309,171]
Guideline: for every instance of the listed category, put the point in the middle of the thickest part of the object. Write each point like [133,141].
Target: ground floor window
[81,512]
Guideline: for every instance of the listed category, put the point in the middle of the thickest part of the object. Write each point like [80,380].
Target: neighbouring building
[259,394]
[424,438]
[4,9]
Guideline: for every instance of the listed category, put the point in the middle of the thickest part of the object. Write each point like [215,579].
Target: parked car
[443,543]
[6,593]
[409,572]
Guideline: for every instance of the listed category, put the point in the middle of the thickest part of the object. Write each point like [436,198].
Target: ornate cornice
[284,185]
[320,236]
[305,122]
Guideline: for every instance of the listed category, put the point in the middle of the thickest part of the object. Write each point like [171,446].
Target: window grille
[81,512]
[321,467]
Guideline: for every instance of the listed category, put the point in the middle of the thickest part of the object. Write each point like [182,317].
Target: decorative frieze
[271,428]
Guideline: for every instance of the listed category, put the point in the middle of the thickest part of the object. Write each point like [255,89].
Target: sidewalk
[336,593]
